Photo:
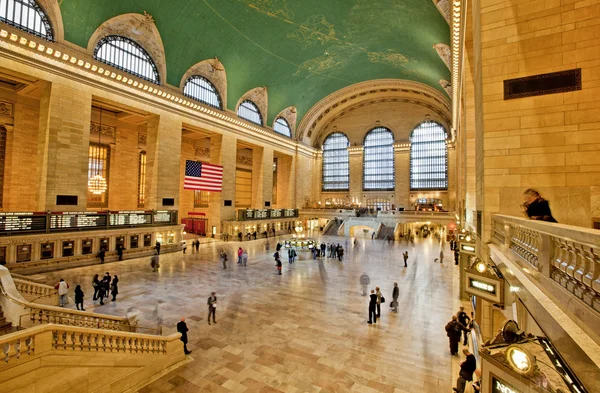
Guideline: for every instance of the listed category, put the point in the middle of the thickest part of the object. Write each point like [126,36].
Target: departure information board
[78,220]
[130,218]
[162,217]
[22,222]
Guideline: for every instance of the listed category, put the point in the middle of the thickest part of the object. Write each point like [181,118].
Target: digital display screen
[276,213]
[127,218]
[161,217]
[261,214]
[22,222]
[77,220]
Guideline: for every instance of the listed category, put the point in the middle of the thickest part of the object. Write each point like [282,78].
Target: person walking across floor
[279,266]
[244,258]
[106,283]
[340,253]
[197,245]
[291,255]
[372,307]
[157,247]
[155,262]
[441,256]
[114,288]
[467,368]
[96,285]
[101,255]
[184,246]
[223,256]
[212,307]
[63,290]
[453,331]
[120,249]
[79,297]
[239,253]
[364,281]
[380,299]
[405,257]
[464,319]
[395,295]
[183,329]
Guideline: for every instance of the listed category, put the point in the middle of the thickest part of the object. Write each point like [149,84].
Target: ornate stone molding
[446,86]
[141,29]
[214,71]
[6,109]
[105,130]
[259,96]
[243,160]
[142,139]
[444,7]
[321,112]
[444,53]
[202,152]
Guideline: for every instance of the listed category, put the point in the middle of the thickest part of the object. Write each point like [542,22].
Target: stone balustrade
[33,291]
[568,255]
[15,345]
[41,314]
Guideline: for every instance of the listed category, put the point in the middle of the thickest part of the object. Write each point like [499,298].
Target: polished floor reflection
[303,331]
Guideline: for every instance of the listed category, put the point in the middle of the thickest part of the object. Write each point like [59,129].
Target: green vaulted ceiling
[302,50]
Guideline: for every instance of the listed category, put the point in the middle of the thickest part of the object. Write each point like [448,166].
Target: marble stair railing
[36,292]
[568,255]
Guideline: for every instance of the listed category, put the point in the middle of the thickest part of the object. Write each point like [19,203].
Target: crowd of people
[103,289]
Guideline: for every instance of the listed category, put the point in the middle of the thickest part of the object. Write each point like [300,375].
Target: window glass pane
[249,111]
[201,198]
[98,164]
[378,160]
[336,163]
[428,157]
[282,127]
[27,16]
[142,179]
[199,88]
[127,55]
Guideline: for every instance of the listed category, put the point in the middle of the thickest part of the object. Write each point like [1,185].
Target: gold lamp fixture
[97,183]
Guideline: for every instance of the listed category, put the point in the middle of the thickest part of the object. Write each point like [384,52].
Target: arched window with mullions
[281,126]
[200,88]
[378,160]
[336,163]
[249,111]
[428,157]
[26,15]
[127,55]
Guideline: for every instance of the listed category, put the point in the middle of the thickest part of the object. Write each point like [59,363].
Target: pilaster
[223,152]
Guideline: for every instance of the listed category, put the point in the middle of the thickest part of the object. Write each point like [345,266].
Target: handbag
[382,299]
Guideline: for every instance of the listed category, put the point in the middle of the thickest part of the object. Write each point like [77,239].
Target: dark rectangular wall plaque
[168,201]
[66,200]
[537,85]
[227,202]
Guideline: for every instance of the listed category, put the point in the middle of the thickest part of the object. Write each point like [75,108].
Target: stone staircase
[5,326]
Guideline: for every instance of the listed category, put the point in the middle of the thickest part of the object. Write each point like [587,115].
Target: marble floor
[303,331]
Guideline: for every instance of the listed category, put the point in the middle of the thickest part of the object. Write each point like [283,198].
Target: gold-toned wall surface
[547,142]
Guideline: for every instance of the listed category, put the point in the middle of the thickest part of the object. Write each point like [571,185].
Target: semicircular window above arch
[428,157]
[249,111]
[336,163]
[28,16]
[281,126]
[201,89]
[127,55]
[378,160]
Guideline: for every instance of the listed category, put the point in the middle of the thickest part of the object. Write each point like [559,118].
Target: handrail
[91,323]
[35,289]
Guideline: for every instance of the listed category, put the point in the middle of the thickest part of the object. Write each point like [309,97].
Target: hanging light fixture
[97,183]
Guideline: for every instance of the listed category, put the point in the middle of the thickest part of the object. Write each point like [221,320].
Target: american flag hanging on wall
[203,176]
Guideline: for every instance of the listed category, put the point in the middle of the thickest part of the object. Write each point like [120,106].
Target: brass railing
[568,255]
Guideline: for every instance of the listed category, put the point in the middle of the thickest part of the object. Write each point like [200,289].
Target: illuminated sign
[501,387]
[466,247]
[482,286]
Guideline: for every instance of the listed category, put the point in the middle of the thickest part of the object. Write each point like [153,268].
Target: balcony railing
[568,255]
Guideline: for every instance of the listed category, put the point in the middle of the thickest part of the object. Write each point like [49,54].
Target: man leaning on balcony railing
[535,207]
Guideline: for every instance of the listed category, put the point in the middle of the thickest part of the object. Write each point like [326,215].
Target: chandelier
[97,184]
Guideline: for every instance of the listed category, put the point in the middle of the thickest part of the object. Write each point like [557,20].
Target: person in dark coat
[96,284]
[467,368]
[340,253]
[395,295]
[454,330]
[101,255]
[79,297]
[197,245]
[464,319]
[535,207]
[405,257]
[157,247]
[120,252]
[101,293]
[279,265]
[114,288]
[372,308]
[106,284]
[291,255]
[183,329]
[212,307]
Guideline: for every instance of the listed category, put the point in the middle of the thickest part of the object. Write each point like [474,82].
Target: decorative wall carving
[446,86]
[202,152]
[444,7]
[109,131]
[243,160]
[444,52]
[213,70]
[6,109]
[142,139]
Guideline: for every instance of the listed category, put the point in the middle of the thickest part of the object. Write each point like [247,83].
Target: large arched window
[200,88]
[428,157]
[26,15]
[126,55]
[249,111]
[336,163]
[282,127]
[378,160]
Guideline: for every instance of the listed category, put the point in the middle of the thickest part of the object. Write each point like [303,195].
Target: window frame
[393,158]
[142,168]
[286,125]
[255,109]
[145,57]
[413,145]
[35,7]
[102,199]
[324,163]
[192,80]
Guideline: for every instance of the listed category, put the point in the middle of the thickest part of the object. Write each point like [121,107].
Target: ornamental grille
[200,88]
[26,15]
[127,55]
[249,111]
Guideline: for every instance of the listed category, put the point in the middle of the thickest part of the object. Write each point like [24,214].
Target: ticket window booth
[2,255]
[47,251]
[86,246]
[147,240]
[120,242]
[68,248]
[159,238]
[24,253]
[104,243]
[133,241]
[171,238]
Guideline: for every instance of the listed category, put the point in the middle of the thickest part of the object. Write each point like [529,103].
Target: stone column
[402,166]
[262,176]
[285,181]
[355,156]
[163,154]
[62,148]
[223,151]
